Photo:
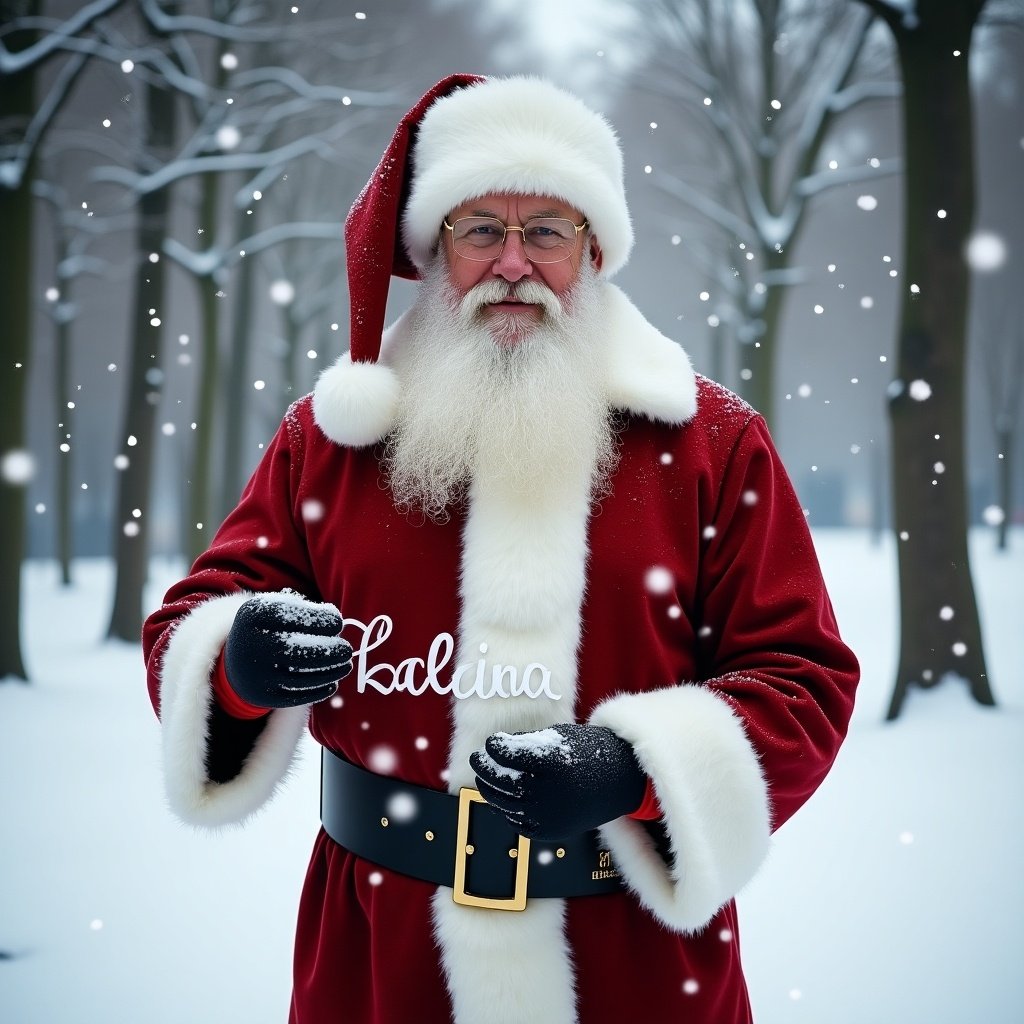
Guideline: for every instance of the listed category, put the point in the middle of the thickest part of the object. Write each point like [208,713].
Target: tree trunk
[940,629]
[63,512]
[199,527]
[17,101]
[759,356]
[877,484]
[1004,484]
[237,385]
[131,533]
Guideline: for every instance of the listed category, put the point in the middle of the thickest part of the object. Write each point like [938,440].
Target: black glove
[561,780]
[283,651]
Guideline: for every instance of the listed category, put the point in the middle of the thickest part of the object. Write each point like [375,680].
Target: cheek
[465,274]
[559,277]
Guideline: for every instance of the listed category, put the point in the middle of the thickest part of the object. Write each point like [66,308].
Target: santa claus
[587,659]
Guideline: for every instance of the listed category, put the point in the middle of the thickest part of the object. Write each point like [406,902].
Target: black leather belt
[455,841]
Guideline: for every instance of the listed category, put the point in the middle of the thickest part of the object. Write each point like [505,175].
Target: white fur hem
[186,695]
[506,968]
[712,794]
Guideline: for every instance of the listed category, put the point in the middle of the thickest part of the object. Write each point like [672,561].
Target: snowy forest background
[827,202]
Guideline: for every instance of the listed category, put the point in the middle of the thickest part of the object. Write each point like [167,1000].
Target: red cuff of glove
[228,699]
[649,809]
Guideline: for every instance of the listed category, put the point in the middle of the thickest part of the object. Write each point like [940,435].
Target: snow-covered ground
[896,895]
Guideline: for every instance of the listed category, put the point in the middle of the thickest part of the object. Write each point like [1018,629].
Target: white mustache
[531,292]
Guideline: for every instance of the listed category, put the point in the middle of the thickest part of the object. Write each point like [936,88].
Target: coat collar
[646,374]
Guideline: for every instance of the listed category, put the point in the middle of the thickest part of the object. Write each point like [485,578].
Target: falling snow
[985,252]
[382,759]
[993,515]
[18,467]
[228,137]
[282,292]
[312,510]
[402,807]
[658,580]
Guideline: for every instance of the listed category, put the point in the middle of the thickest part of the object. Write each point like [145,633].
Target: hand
[284,651]
[561,780]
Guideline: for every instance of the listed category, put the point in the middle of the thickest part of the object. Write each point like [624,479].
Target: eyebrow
[532,216]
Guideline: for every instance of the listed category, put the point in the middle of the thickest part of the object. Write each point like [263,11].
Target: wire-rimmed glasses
[545,239]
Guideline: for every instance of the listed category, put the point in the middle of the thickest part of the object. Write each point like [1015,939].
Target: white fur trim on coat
[713,796]
[516,135]
[645,373]
[508,968]
[186,696]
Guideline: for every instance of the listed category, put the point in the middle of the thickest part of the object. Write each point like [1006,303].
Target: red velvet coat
[735,603]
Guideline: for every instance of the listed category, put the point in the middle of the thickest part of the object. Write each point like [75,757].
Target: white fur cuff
[712,794]
[186,695]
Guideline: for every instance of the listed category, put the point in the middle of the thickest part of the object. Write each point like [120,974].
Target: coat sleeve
[219,770]
[735,752]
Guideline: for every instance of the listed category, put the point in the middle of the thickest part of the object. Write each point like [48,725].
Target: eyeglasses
[545,239]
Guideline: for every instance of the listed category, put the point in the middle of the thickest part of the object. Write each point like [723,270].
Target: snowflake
[282,293]
[383,760]
[18,467]
[402,807]
[985,252]
[993,515]
[312,510]
[658,580]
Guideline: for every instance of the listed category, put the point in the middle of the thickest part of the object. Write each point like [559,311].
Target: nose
[512,263]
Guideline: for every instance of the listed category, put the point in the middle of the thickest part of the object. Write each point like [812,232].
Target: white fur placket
[523,574]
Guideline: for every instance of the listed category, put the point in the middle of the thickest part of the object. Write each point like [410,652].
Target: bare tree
[250,119]
[75,232]
[940,632]
[999,345]
[28,44]
[156,114]
[763,83]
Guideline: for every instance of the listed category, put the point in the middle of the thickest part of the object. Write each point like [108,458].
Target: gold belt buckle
[517,901]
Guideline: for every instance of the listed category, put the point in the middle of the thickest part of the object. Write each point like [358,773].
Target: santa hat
[467,137]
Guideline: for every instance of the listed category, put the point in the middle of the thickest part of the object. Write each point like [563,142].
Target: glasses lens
[549,239]
[478,238]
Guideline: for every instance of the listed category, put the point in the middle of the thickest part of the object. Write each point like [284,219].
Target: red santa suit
[683,608]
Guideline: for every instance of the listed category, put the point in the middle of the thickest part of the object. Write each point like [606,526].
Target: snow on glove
[283,651]
[561,780]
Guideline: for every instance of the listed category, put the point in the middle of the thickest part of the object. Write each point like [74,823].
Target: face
[512,265]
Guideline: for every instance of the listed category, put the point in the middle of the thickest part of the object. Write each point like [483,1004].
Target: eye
[550,232]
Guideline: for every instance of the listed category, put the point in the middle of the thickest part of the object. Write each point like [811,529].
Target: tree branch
[178,169]
[12,63]
[813,184]
[703,204]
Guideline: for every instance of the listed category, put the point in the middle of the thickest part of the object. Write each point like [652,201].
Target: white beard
[518,401]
